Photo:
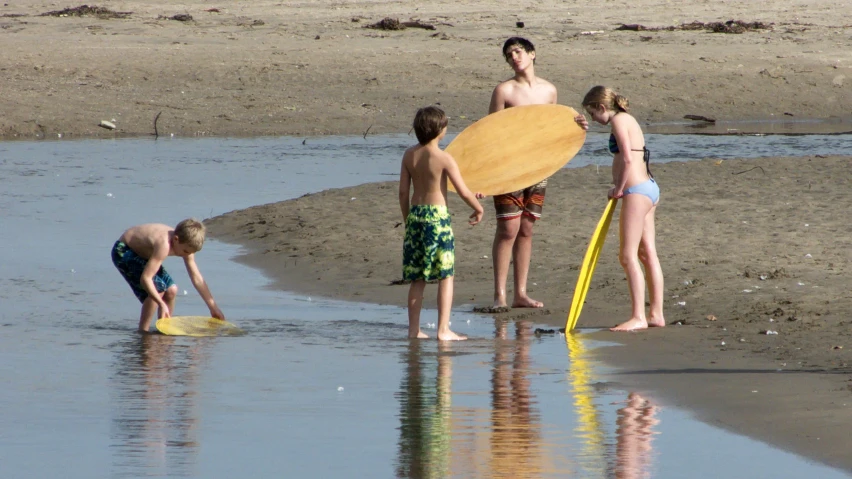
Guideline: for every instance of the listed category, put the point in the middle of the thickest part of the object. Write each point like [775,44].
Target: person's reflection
[425,412]
[589,424]
[516,449]
[154,420]
[635,431]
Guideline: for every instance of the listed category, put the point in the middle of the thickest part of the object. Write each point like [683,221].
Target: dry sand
[305,68]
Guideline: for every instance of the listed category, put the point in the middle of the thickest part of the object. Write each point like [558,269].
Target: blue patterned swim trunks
[131,265]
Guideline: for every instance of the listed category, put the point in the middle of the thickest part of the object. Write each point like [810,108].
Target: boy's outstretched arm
[404,191]
[461,188]
[201,286]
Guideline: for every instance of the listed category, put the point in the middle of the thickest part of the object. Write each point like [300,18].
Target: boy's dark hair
[428,123]
[521,42]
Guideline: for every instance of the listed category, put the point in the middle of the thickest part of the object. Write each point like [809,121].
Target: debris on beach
[248,22]
[86,11]
[539,331]
[776,274]
[699,118]
[711,317]
[731,26]
[389,23]
[491,309]
[180,17]
[769,332]
[107,124]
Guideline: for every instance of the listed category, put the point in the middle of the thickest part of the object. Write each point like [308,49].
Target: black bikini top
[613,148]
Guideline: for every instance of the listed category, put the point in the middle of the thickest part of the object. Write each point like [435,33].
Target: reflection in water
[154,418]
[589,425]
[425,414]
[635,423]
[516,449]
[635,431]
[437,439]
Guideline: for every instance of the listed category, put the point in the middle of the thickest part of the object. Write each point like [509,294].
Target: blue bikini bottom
[648,188]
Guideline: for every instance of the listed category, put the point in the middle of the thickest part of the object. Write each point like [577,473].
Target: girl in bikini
[639,195]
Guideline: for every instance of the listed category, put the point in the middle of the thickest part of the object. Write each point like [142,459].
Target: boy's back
[147,238]
[427,166]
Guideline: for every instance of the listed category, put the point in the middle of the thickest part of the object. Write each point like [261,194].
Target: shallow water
[317,388]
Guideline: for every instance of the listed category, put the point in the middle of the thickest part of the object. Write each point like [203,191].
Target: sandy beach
[312,68]
[759,245]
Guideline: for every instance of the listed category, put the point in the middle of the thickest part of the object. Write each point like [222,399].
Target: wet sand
[758,244]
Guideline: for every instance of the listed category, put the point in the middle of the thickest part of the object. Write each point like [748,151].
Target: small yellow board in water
[589,263]
[517,147]
[197,326]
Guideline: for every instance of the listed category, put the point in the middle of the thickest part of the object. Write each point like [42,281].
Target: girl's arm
[622,137]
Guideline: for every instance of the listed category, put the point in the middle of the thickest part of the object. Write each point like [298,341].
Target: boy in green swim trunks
[429,248]
[138,255]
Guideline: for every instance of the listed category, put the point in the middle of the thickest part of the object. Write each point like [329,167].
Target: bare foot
[419,335]
[632,324]
[451,336]
[654,322]
[526,302]
[499,303]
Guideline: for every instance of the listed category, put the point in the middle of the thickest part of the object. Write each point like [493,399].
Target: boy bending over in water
[639,194]
[429,249]
[139,255]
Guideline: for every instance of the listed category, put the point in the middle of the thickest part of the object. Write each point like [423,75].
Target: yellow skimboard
[588,267]
[197,326]
[517,147]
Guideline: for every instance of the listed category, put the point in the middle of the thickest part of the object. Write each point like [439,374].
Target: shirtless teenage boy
[138,255]
[518,211]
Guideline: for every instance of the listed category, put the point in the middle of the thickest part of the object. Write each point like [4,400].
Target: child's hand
[614,194]
[164,312]
[217,313]
[581,120]
[478,196]
[476,217]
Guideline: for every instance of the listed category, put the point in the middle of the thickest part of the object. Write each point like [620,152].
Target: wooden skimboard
[589,263]
[517,147]
[197,326]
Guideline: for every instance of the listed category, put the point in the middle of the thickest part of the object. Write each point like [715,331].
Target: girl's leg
[634,208]
[415,303]
[445,305]
[653,271]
